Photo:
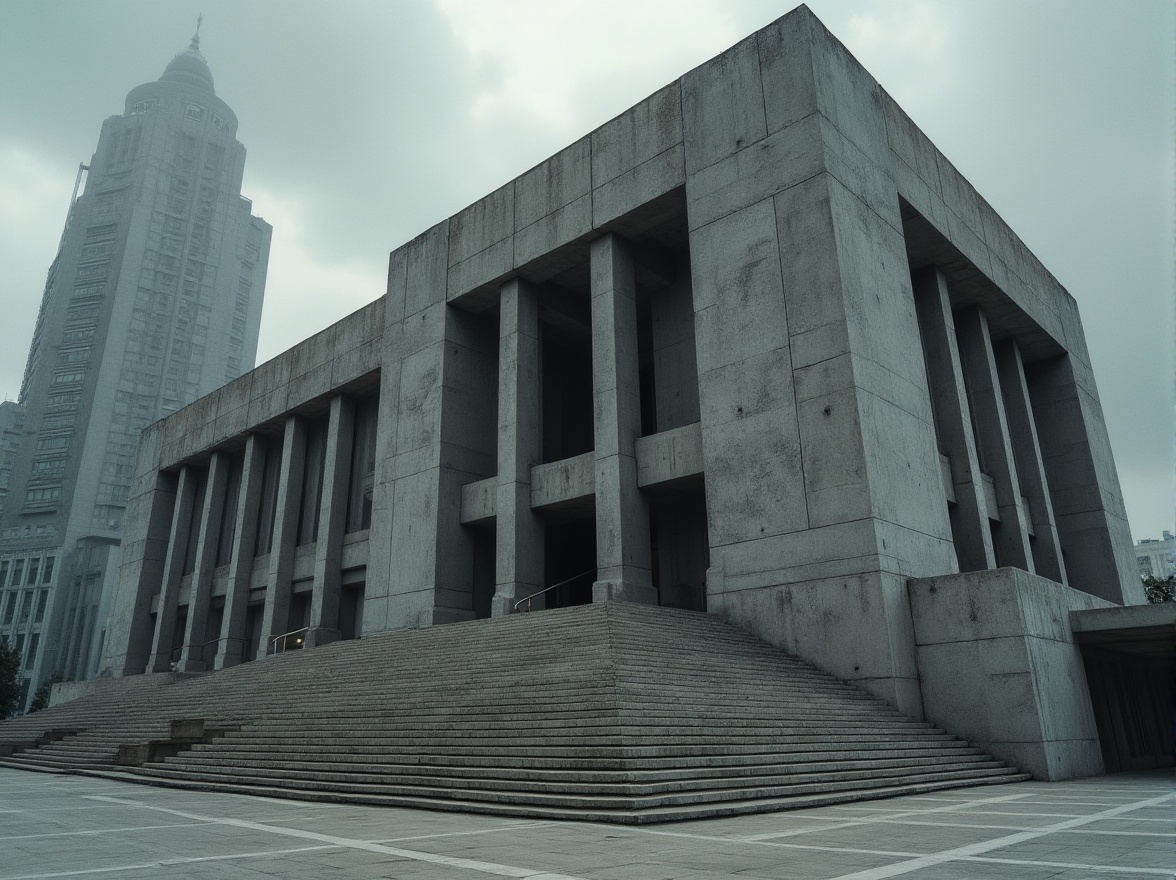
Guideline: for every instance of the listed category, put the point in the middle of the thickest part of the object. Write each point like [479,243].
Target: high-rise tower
[154,299]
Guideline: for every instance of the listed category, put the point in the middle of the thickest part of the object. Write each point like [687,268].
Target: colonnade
[200,504]
[985,426]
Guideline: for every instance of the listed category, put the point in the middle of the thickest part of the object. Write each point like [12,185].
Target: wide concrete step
[612,712]
[870,790]
[578,781]
[562,797]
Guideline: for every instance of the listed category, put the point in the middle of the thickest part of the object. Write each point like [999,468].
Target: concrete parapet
[998,664]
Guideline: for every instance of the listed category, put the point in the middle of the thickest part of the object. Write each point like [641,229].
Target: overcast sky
[368,121]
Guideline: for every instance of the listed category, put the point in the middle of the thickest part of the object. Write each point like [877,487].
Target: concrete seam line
[414,855]
[976,849]
[104,831]
[164,863]
[850,823]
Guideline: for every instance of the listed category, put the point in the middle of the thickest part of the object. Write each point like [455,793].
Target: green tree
[44,691]
[1160,589]
[9,679]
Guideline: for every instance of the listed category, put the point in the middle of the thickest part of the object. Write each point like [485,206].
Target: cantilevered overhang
[1141,630]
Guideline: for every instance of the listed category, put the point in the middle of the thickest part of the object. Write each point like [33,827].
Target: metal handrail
[274,641]
[528,599]
[178,652]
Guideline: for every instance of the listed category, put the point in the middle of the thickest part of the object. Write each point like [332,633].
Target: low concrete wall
[856,627]
[999,666]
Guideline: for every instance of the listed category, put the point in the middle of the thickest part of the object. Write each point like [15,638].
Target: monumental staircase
[613,712]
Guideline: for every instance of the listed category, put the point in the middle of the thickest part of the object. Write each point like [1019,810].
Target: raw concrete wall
[819,456]
[999,666]
[822,471]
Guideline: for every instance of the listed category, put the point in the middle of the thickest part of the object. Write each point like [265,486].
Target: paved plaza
[76,826]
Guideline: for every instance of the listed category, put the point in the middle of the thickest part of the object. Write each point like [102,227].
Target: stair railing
[284,638]
[527,599]
[200,652]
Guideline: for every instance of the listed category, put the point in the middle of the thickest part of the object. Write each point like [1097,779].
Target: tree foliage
[1160,589]
[44,691]
[9,679]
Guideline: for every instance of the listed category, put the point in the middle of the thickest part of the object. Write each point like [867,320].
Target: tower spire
[196,36]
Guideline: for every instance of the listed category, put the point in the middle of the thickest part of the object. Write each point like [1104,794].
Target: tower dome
[190,68]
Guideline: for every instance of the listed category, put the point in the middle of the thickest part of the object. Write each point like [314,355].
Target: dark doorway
[567,395]
[570,561]
[253,617]
[299,611]
[485,539]
[680,547]
[178,633]
[212,630]
[351,611]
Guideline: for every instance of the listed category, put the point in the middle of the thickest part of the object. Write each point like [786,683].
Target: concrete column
[192,659]
[953,421]
[1047,551]
[622,514]
[519,562]
[1084,487]
[280,582]
[173,570]
[231,649]
[1011,539]
[328,555]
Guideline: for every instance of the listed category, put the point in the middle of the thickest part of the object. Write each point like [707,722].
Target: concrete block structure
[754,347]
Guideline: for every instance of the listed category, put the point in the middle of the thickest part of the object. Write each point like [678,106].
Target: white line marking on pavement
[851,823]
[998,813]
[55,809]
[451,861]
[168,863]
[1022,828]
[1112,869]
[976,849]
[103,831]
[806,846]
[465,833]
[1072,866]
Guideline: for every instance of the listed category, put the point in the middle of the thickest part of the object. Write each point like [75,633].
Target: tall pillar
[1047,551]
[1084,487]
[173,571]
[519,565]
[1011,541]
[622,513]
[126,650]
[953,421]
[231,649]
[328,556]
[279,586]
[200,596]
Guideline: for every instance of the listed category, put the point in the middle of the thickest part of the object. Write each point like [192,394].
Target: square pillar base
[622,591]
[317,636]
[501,605]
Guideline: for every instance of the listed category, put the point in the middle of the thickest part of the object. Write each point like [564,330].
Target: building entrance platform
[72,826]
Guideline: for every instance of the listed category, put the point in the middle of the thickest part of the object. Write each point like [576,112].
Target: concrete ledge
[563,482]
[998,665]
[479,501]
[1142,630]
[1120,617]
[669,455]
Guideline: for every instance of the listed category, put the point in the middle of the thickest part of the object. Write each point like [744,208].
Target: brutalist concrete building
[153,299]
[754,347]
